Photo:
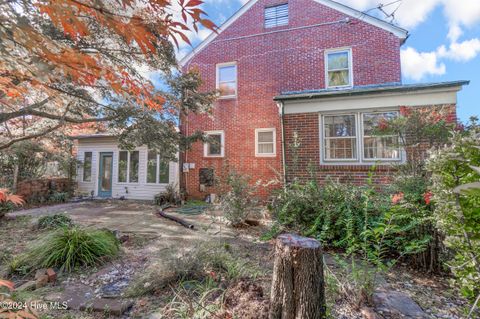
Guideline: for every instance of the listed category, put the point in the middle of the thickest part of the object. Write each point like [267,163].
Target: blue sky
[444,43]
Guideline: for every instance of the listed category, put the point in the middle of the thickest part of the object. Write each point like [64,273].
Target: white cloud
[459,14]
[460,52]
[416,65]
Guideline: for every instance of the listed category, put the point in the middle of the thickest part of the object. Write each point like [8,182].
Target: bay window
[358,137]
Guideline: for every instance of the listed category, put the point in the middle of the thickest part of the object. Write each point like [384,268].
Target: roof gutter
[348,93]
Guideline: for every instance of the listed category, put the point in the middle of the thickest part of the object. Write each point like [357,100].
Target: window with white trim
[358,137]
[265,142]
[128,166]
[87,166]
[276,16]
[215,145]
[227,79]
[340,137]
[338,68]
[157,170]
[379,146]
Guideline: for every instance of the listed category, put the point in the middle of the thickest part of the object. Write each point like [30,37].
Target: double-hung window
[276,16]
[157,170]
[227,80]
[128,166]
[359,137]
[378,146]
[265,142]
[87,167]
[215,144]
[340,137]
[338,68]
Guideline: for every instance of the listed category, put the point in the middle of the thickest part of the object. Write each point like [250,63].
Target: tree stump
[298,290]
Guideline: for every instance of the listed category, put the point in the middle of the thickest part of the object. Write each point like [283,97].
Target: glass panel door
[105,176]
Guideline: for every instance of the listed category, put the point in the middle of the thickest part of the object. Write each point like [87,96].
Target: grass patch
[68,249]
[216,261]
[55,221]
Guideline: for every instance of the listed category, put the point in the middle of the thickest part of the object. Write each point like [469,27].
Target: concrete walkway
[134,217]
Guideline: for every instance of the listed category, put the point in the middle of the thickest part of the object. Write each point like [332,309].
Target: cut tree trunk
[298,290]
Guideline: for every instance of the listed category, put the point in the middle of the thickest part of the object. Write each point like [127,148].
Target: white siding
[140,190]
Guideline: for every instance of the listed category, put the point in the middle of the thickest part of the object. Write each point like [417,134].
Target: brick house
[310,73]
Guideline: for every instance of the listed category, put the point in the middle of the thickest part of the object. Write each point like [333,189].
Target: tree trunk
[298,285]
[15,178]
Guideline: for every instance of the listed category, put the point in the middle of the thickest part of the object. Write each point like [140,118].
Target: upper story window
[276,16]
[227,80]
[339,68]
[215,145]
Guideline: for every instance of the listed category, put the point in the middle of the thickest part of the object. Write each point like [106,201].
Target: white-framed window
[227,80]
[375,146]
[157,170]
[354,137]
[276,16]
[338,68]
[128,166]
[265,142]
[215,145]
[87,166]
[340,137]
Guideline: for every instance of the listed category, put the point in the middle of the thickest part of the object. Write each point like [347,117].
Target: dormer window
[339,68]
[276,16]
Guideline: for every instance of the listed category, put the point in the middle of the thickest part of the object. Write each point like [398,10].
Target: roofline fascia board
[399,32]
[456,86]
[213,35]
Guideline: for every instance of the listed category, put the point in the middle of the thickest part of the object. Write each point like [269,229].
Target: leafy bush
[332,213]
[8,202]
[55,221]
[238,200]
[70,248]
[456,195]
[58,197]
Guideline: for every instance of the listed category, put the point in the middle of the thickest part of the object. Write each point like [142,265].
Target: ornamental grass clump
[69,249]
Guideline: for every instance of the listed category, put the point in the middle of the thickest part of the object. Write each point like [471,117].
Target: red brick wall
[41,188]
[271,63]
[303,162]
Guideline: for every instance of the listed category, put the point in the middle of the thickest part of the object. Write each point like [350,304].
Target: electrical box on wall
[188,166]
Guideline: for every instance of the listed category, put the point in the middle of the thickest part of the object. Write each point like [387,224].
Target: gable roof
[399,32]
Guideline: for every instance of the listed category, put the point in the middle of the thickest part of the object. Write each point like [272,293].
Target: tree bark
[298,290]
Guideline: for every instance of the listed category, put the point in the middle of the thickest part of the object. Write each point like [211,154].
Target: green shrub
[6,207]
[55,221]
[332,213]
[238,199]
[456,197]
[58,197]
[70,248]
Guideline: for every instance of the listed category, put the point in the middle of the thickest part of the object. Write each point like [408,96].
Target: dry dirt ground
[151,240]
